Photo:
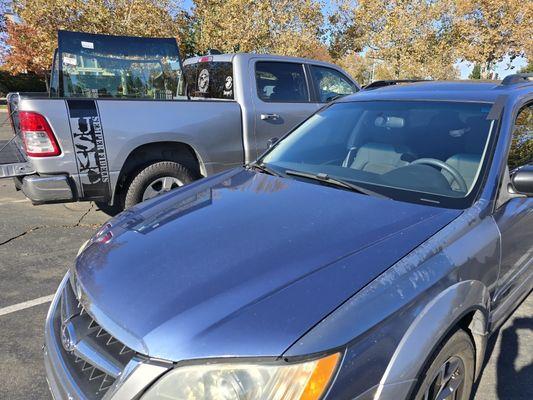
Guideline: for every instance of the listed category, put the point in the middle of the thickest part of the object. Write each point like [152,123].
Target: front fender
[431,326]
[391,327]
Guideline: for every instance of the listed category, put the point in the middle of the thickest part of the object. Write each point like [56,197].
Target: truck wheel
[450,374]
[156,179]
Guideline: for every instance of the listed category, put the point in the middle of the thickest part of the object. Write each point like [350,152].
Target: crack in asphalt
[84,215]
[36,228]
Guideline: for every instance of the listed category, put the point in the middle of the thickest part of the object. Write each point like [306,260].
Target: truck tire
[155,179]
[451,370]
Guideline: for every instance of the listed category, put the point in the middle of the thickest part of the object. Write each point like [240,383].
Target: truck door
[282,99]
[13,160]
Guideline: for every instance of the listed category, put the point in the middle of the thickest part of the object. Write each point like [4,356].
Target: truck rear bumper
[47,189]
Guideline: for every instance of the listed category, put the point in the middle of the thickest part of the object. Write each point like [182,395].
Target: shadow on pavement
[512,381]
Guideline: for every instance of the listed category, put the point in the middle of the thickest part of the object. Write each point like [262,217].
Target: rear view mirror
[522,180]
[389,122]
[272,141]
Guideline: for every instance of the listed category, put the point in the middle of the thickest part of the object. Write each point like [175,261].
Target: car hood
[241,264]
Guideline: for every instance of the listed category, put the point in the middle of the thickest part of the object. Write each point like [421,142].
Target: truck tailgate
[13,161]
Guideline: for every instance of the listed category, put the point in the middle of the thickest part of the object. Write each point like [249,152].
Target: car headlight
[301,381]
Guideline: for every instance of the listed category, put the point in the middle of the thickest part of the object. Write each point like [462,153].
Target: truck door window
[331,83]
[281,82]
[207,80]
[521,151]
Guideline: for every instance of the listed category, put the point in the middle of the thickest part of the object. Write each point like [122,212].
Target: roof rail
[383,83]
[517,78]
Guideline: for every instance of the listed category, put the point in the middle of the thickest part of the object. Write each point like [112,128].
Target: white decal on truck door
[89,145]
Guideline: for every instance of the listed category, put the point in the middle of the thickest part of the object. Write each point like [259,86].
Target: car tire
[450,369]
[153,175]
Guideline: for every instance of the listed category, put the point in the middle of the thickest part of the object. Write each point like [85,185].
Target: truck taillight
[37,135]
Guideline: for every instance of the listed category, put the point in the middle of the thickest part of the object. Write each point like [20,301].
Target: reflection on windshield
[399,148]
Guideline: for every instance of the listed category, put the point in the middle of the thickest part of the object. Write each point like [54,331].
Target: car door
[515,218]
[282,99]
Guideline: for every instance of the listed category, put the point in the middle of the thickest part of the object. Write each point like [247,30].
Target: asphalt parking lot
[38,243]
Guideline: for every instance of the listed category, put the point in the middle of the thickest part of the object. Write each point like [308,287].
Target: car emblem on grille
[66,339]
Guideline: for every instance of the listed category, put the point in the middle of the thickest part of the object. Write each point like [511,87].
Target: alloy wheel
[160,186]
[448,382]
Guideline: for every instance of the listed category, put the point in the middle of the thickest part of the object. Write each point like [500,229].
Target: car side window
[521,151]
[281,82]
[331,83]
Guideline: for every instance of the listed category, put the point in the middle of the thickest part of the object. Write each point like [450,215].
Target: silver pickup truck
[125,119]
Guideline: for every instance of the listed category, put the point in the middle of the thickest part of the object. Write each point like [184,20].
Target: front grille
[93,357]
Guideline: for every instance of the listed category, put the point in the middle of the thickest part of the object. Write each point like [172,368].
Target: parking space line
[25,304]
[10,201]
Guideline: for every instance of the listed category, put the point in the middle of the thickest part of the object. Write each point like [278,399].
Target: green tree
[527,68]
[476,72]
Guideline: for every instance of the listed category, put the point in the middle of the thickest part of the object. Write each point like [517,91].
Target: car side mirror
[272,141]
[522,180]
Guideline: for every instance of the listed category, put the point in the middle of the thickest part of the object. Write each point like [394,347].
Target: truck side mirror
[522,180]
[272,141]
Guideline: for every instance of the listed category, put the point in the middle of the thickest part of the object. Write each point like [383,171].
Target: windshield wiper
[322,177]
[264,168]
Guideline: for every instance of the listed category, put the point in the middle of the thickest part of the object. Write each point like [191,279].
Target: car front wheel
[450,373]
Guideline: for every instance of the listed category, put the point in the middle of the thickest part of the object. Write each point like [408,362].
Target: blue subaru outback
[369,254]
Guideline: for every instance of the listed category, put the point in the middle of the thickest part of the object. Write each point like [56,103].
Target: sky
[502,69]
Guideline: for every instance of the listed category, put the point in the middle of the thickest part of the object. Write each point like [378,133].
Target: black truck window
[281,82]
[207,80]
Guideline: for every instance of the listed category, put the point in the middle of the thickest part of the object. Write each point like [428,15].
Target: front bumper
[47,189]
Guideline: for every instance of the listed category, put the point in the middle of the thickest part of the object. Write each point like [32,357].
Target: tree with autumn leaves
[490,30]
[372,39]
[425,38]
[32,41]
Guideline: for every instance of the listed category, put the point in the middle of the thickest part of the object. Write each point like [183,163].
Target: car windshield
[422,151]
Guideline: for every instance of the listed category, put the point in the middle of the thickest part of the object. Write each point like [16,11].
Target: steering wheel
[442,165]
